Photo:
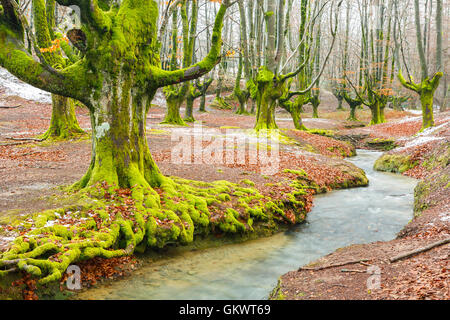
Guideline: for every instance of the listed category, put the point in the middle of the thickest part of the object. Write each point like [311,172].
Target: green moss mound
[381,144]
[394,163]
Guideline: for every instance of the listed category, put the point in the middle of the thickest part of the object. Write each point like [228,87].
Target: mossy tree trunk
[294,107]
[203,88]
[340,102]
[120,153]
[315,102]
[241,95]
[175,95]
[297,119]
[354,104]
[426,90]
[376,114]
[189,114]
[174,101]
[269,91]
[63,124]
[427,87]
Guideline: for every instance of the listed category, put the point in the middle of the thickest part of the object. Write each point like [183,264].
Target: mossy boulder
[381,144]
[396,163]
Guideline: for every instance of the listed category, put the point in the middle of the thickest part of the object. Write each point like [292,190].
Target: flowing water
[250,270]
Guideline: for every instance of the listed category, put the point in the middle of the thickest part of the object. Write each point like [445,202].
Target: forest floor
[31,173]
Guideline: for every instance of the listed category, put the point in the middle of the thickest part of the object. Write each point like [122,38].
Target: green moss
[322,132]
[394,163]
[300,172]
[247,182]
[382,144]
[277,292]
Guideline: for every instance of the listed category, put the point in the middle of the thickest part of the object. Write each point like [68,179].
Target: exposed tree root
[111,222]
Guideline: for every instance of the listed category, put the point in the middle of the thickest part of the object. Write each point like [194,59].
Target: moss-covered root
[63,124]
[115,222]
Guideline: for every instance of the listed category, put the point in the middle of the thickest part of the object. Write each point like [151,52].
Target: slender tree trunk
[189,114]
[173,116]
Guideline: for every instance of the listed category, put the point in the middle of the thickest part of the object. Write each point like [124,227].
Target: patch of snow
[418,112]
[431,130]
[50,223]
[421,140]
[445,217]
[15,87]
[317,120]
[408,119]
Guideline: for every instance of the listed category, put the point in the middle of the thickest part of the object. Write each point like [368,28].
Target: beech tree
[270,82]
[427,86]
[52,44]
[116,79]
[124,203]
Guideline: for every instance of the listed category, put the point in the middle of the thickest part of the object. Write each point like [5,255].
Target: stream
[250,270]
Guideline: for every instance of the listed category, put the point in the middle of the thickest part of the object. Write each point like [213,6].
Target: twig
[420,250]
[24,139]
[12,144]
[333,265]
[10,107]
[351,270]
[339,285]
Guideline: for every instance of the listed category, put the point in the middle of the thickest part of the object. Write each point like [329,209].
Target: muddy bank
[353,272]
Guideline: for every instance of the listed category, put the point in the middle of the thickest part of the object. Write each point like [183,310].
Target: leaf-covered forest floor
[31,172]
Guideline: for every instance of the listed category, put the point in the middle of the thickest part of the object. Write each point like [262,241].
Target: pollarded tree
[293,107]
[116,79]
[269,82]
[176,94]
[374,60]
[241,95]
[354,104]
[427,87]
[63,123]
[197,90]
